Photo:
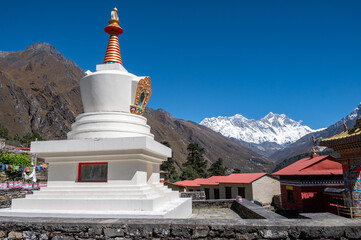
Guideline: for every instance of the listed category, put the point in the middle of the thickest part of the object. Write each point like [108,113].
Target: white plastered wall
[234,189]
[222,190]
[265,188]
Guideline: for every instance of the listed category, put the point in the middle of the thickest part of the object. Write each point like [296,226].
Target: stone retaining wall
[6,195]
[53,228]
[220,203]
[198,195]
[249,210]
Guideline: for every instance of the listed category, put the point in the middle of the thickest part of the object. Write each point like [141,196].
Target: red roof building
[348,145]
[303,183]
[252,186]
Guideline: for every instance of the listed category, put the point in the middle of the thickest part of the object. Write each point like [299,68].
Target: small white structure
[109,165]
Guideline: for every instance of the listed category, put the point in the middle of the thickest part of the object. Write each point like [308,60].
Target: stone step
[103,204]
[98,188]
[161,186]
[110,196]
[77,184]
[94,192]
[168,193]
[180,208]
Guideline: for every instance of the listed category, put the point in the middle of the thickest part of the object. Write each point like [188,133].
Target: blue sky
[213,58]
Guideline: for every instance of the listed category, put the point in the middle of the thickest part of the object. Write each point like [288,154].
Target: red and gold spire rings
[112,55]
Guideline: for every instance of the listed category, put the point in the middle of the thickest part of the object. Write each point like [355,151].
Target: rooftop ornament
[112,55]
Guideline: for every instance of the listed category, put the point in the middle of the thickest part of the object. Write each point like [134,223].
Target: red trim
[88,163]
[22,147]
[335,205]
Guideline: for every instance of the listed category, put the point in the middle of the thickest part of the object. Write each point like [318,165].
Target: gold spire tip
[114,19]
[344,126]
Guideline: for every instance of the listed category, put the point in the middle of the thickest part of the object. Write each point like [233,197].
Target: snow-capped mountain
[303,145]
[269,134]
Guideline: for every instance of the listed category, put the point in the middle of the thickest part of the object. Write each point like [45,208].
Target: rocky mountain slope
[304,144]
[265,136]
[39,91]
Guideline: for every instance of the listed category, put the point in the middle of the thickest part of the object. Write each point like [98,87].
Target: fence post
[2,144]
[338,210]
[351,212]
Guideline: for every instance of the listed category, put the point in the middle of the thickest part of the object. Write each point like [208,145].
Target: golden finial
[345,127]
[114,17]
[314,150]
[112,55]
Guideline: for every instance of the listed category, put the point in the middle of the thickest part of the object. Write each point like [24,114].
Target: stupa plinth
[109,165]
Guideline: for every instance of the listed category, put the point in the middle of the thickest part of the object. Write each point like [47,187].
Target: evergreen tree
[189,173]
[4,132]
[217,168]
[168,166]
[29,137]
[195,160]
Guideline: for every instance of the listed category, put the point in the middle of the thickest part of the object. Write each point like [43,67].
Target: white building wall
[262,190]
[222,190]
[234,189]
[265,188]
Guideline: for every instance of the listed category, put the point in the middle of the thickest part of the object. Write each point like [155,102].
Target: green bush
[15,159]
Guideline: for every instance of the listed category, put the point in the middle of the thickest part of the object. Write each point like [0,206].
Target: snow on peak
[354,114]
[277,128]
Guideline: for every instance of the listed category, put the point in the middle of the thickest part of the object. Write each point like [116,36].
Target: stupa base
[102,178]
[179,208]
[113,199]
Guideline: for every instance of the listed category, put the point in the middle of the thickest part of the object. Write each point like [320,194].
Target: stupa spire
[112,55]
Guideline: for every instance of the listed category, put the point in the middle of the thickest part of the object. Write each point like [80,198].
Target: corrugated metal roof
[215,180]
[317,165]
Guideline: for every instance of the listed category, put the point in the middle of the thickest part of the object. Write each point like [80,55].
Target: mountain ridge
[304,144]
[265,136]
[37,85]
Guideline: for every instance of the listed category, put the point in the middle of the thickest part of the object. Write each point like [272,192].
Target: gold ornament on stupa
[112,55]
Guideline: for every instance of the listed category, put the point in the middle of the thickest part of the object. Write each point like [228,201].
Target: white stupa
[109,165]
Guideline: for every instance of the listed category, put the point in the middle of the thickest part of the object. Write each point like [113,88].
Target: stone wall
[197,195]
[56,228]
[264,225]
[219,203]
[6,195]
[249,210]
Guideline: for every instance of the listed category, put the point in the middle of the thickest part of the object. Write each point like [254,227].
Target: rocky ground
[6,195]
[214,213]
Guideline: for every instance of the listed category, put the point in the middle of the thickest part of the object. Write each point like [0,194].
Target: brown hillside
[39,90]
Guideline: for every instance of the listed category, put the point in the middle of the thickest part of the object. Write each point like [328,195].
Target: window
[93,172]
[216,193]
[206,191]
[290,197]
[241,192]
[228,192]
